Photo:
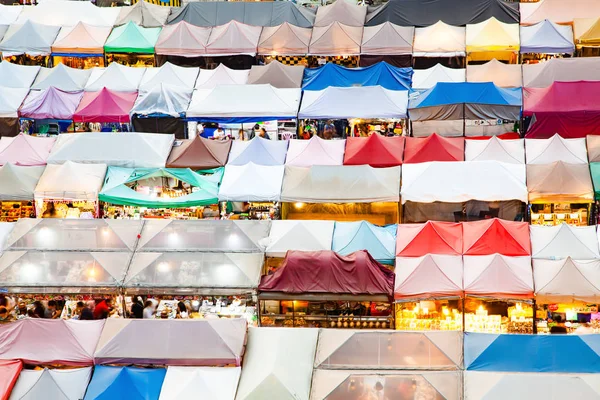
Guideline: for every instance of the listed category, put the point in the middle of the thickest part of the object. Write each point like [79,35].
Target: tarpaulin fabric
[163,100]
[62,77]
[125,383]
[9,373]
[258,14]
[335,39]
[81,39]
[144,14]
[183,39]
[116,77]
[105,106]
[17,76]
[315,151]
[498,276]
[277,75]
[222,75]
[188,383]
[490,236]
[532,353]
[379,241]
[562,241]
[566,280]
[542,75]
[25,150]
[30,38]
[556,148]
[558,11]
[439,40]
[546,37]
[259,151]
[64,384]
[71,181]
[132,38]
[428,276]
[18,183]
[199,153]
[586,32]
[251,182]
[499,73]
[168,125]
[343,12]
[595,172]
[60,14]
[387,39]
[593,148]
[50,103]
[10,101]
[300,235]
[428,12]
[9,13]
[325,272]
[492,36]
[428,78]
[510,151]
[233,39]
[380,74]
[559,182]
[285,40]
[376,150]
[170,74]
[433,148]
[431,237]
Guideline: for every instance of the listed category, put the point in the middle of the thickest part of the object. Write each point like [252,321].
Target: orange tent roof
[376,150]
[434,148]
[416,240]
[492,236]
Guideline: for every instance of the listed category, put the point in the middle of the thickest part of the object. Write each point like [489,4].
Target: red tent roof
[505,136]
[376,150]
[492,236]
[416,240]
[434,148]
[9,373]
[105,106]
[324,272]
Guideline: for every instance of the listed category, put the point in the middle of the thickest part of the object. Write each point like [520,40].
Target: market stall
[496,236]
[336,40]
[376,150]
[434,148]
[222,75]
[277,75]
[161,109]
[387,42]
[562,241]
[169,74]
[501,74]
[115,77]
[125,383]
[544,40]
[17,185]
[25,151]
[52,383]
[324,289]
[439,43]
[463,191]
[556,148]
[17,76]
[61,77]
[106,109]
[587,34]
[187,383]
[429,77]
[492,39]
[431,237]
[259,151]
[560,193]
[199,153]
[10,101]
[49,110]
[343,193]
[80,46]
[273,356]
[284,42]
[379,241]
[9,373]
[542,75]
[234,39]
[132,45]
[315,151]
[510,151]
[28,43]
[69,190]
[380,74]
[144,14]
[182,43]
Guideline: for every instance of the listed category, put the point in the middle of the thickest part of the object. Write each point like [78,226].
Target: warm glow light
[480,308]
[163,267]
[425,310]
[298,205]
[445,311]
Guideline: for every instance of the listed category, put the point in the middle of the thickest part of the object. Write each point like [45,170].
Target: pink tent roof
[498,276]
[9,373]
[429,276]
[105,106]
[25,150]
[336,39]
[416,240]
[183,39]
[316,151]
[233,38]
[50,103]
[285,39]
[43,341]
[81,39]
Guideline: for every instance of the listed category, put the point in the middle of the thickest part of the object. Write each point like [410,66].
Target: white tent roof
[258,150]
[315,151]
[132,150]
[561,241]
[457,182]
[18,183]
[494,149]
[251,182]
[278,364]
[144,14]
[63,384]
[428,78]
[116,77]
[170,74]
[191,383]
[354,102]
[440,40]
[498,275]
[162,99]
[28,38]
[10,101]
[9,14]
[299,235]
[546,37]
[432,275]
[210,78]
[17,76]
[63,13]
[562,281]
[543,74]
[340,184]
[62,77]
[501,74]
[556,148]
[71,181]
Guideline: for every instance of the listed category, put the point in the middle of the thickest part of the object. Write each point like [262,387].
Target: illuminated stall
[511,151]
[234,43]
[132,45]
[50,110]
[285,43]
[336,43]
[434,148]
[376,150]
[501,74]
[80,46]
[28,43]
[492,39]
[17,185]
[387,42]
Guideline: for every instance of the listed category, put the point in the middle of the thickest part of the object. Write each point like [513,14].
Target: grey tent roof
[17,76]
[342,12]
[277,75]
[163,99]
[62,77]
[29,38]
[18,183]
[3,29]
[250,13]
[144,14]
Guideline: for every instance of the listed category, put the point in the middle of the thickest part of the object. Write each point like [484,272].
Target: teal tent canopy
[132,38]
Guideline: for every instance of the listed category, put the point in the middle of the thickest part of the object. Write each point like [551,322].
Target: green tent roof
[132,38]
[595,171]
[116,190]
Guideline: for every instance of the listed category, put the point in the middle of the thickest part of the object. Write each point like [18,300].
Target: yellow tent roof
[492,35]
[587,31]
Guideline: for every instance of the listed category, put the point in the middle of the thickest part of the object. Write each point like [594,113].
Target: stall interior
[65,306]
[462,212]
[14,210]
[49,208]
[498,316]
[250,210]
[356,127]
[132,60]
[430,315]
[85,62]
[560,213]
[312,61]
[26,59]
[378,213]
[574,318]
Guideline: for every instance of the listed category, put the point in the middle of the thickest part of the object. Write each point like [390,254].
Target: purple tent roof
[51,103]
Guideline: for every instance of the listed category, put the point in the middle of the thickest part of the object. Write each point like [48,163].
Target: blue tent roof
[379,241]
[445,93]
[126,383]
[547,37]
[532,353]
[380,74]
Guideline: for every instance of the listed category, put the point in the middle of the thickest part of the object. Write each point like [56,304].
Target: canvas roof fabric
[199,153]
[428,277]
[183,39]
[501,74]
[132,38]
[410,12]
[559,182]
[379,241]
[380,74]
[546,37]
[81,39]
[285,39]
[132,150]
[116,77]
[595,172]
[251,182]
[434,148]
[50,103]
[440,40]
[556,148]
[376,150]
[557,11]
[62,77]
[71,181]
[123,342]
[542,75]
[189,383]
[211,78]
[18,183]
[496,236]
[457,182]
[343,11]
[25,150]
[278,363]
[335,39]
[277,75]
[562,241]
[498,276]
[340,184]
[531,353]
[492,36]
[328,273]
[9,373]
[354,102]
[66,342]
[387,39]
[388,350]
[215,105]
[143,14]
[258,14]
[67,384]
[9,13]
[59,14]
[566,280]
[162,100]
[494,149]
[550,114]
[169,74]
[105,106]
[125,383]
[431,237]
[259,151]
[428,78]
[10,101]
[232,39]
[17,76]
[29,38]
[593,148]
[299,235]
[586,32]
[315,151]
